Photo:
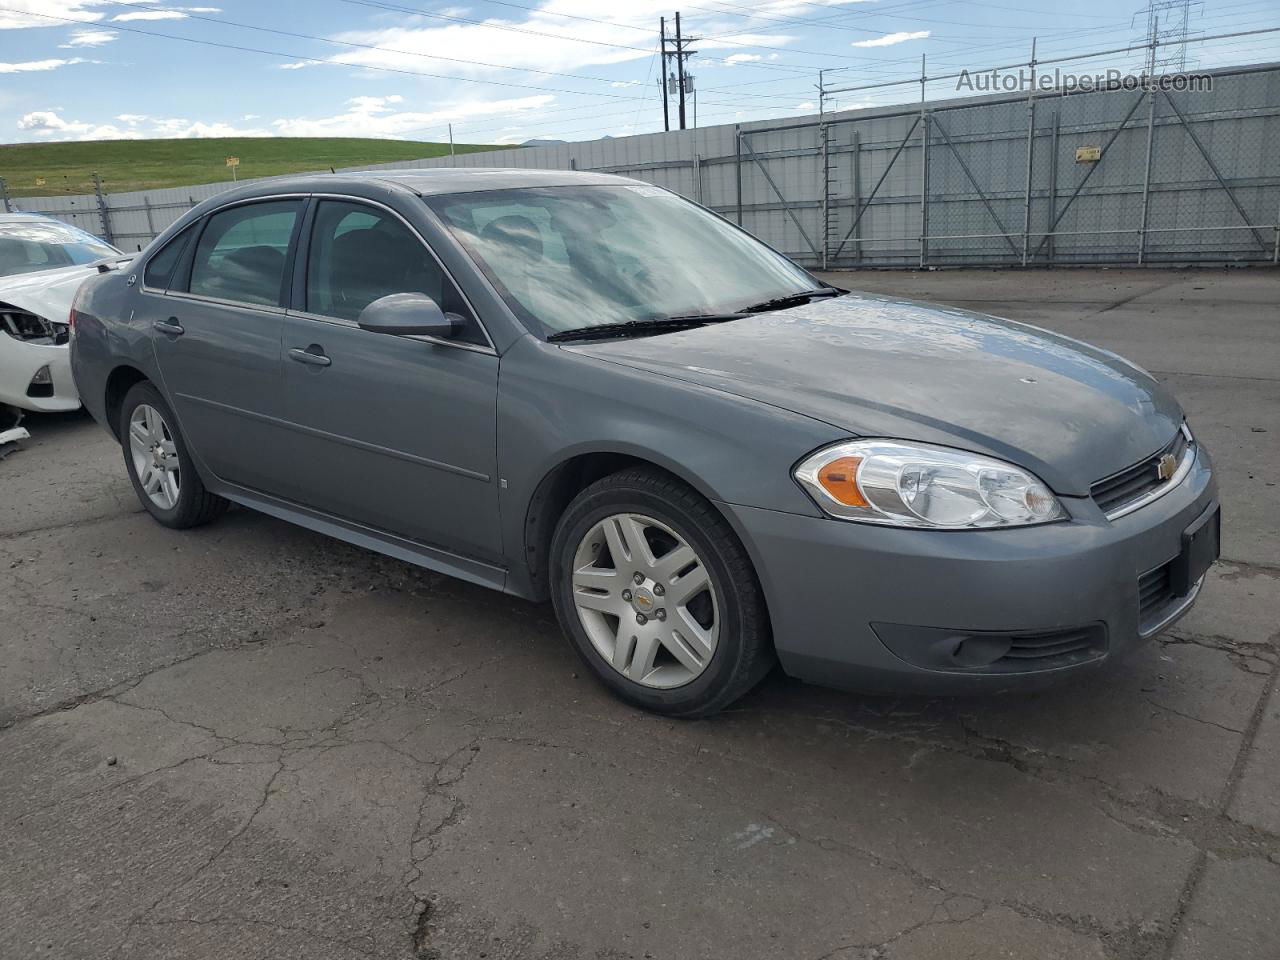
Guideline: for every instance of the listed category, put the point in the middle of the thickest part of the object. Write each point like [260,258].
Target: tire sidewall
[578,520]
[187,491]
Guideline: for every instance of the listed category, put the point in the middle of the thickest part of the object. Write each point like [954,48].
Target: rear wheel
[658,595]
[159,465]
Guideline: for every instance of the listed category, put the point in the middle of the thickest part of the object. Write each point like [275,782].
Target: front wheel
[658,596]
[159,466]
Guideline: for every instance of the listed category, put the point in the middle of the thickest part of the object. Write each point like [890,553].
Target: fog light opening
[41,384]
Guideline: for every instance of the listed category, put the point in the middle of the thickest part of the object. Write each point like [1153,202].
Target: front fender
[555,405]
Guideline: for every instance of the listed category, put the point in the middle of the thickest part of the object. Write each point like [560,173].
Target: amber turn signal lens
[839,478]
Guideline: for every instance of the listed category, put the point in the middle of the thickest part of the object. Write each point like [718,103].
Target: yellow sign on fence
[1088,154]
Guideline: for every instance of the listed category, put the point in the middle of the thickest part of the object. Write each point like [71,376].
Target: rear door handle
[311,355]
[170,326]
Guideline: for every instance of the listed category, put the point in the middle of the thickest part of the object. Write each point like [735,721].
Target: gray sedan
[584,388]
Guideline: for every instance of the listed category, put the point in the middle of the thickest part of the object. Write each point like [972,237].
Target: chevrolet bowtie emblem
[643,601]
[1167,466]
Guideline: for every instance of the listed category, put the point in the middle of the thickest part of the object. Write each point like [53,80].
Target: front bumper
[844,596]
[19,362]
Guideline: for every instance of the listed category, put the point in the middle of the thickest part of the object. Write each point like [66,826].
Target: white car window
[30,245]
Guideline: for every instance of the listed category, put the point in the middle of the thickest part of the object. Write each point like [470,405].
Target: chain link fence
[1109,176]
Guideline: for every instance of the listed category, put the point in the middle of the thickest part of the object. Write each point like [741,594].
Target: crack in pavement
[1224,804]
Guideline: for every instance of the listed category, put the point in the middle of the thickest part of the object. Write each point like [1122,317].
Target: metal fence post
[1031,147]
[825,160]
[4,195]
[151,223]
[737,166]
[924,168]
[104,212]
[697,177]
[857,191]
[1146,175]
[1051,252]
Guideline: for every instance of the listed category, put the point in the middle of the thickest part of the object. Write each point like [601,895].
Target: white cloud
[47,124]
[889,39]
[374,117]
[539,40]
[23,14]
[37,66]
[807,105]
[743,58]
[89,38]
[297,65]
[149,15]
[364,116]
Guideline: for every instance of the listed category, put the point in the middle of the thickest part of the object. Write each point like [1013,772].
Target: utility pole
[662,74]
[680,67]
[681,81]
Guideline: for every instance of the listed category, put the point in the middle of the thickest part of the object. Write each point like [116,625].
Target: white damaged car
[42,263]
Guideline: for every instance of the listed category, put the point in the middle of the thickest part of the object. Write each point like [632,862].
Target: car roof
[444,180]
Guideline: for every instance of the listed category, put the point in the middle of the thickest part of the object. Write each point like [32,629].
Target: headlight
[920,485]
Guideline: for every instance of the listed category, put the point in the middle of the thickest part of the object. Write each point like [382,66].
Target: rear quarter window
[159,271]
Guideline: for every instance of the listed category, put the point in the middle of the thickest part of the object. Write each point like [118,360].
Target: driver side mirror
[409,314]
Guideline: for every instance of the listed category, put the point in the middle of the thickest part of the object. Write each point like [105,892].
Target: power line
[371,46]
[302,58]
[511,28]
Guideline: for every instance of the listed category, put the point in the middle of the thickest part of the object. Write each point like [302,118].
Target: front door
[216,332]
[395,433]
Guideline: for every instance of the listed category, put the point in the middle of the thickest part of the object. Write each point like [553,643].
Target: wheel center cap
[643,600]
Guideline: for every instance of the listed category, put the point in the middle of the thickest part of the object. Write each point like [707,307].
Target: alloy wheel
[646,600]
[155,456]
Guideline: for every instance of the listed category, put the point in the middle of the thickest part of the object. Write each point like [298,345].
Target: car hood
[882,367]
[47,293]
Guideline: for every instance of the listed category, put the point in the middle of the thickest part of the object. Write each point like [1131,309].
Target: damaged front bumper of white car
[35,362]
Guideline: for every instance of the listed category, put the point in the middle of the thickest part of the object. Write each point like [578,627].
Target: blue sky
[519,69]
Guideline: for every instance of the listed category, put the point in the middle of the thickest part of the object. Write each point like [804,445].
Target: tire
[193,505]
[714,643]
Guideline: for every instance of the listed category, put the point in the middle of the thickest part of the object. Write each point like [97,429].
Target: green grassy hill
[144,164]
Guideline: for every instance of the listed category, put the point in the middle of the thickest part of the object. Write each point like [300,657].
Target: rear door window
[243,252]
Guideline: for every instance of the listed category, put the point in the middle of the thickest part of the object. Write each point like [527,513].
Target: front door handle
[313,355]
[170,326]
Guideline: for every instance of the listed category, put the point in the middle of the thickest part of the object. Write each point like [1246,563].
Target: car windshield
[30,245]
[570,257]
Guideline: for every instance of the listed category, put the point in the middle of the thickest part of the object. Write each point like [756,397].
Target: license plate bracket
[1201,546]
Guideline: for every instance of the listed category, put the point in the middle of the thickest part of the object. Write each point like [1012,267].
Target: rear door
[217,329]
[396,433]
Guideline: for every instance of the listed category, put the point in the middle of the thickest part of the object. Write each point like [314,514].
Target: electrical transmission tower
[1168,25]
[678,82]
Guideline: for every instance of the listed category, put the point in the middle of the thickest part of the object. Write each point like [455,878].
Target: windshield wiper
[793,300]
[640,328]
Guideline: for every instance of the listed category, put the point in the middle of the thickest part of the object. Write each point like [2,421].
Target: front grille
[1048,651]
[1135,482]
[1155,593]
